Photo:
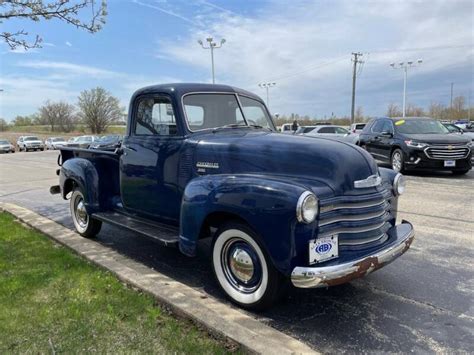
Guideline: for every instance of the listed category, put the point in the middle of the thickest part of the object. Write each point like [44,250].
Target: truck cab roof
[179,89]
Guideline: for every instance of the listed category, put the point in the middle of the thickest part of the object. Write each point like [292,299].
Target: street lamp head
[209,39]
[420,61]
[401,64]
[392,65]
[200,42]
[410,62]
[222,40]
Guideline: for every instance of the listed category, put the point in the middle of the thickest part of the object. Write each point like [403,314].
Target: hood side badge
[371,181]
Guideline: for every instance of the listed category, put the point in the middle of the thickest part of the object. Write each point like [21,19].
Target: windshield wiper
[232,125]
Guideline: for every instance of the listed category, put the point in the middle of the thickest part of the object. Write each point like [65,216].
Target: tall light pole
[405,66]
[212,45]
[266,86]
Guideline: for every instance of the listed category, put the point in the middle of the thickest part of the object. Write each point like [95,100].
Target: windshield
[31,139]
[57,139]
[4,142]
[452,128]
[204,111]
[109,139]
[84,139]
[420,126]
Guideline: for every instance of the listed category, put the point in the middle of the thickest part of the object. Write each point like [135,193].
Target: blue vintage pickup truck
[205,161]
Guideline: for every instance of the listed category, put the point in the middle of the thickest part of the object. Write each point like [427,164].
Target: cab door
[149,163]
[373,141]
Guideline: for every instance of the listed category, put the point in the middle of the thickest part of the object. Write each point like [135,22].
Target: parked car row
[33,143]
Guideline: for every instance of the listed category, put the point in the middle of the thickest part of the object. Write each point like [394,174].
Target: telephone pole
[354,75]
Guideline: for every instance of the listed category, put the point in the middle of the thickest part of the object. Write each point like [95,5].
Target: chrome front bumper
[313,277]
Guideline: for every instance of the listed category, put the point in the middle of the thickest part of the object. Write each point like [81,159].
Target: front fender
[82,173]
[266,204]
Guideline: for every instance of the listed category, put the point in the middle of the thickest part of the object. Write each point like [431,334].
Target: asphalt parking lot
[422,302]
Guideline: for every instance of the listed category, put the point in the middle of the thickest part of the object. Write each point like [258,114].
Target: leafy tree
[58,115]
[98,109]
[23,121]
[3,125]
[72,12]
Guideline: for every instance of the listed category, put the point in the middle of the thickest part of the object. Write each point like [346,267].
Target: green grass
[51,300]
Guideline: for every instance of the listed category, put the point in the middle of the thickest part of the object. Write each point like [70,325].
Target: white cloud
[70,68]
[67,43]
[306,49]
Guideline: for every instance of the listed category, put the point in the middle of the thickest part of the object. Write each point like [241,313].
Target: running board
[164,234]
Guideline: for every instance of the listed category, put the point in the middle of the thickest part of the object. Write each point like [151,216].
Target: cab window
[155,116]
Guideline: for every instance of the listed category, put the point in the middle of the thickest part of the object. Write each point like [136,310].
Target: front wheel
[85,225]
[397,162]
[243,269]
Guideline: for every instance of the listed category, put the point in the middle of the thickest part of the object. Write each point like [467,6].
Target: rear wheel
[460,172]
[397,162]
[243,269]
[85,225]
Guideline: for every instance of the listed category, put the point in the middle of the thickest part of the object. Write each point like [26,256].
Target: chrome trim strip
[348,218]
[362,241]
[352,230]
[313,277]
[442,152]
[340,206]
[371,181]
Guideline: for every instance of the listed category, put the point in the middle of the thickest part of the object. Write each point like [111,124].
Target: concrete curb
[218,318]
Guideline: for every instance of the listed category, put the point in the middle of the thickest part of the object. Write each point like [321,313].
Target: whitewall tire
[243,269]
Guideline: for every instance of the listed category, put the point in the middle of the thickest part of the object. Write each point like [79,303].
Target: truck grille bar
[359,222]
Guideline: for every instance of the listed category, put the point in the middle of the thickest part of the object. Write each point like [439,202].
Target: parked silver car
[82,141]
[6,146]
[55,142]
[27,143]
[357,127]
[334,132]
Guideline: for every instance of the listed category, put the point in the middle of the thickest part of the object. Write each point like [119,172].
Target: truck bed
[107,166]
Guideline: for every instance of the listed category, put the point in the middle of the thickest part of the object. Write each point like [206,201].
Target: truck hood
[437,138]
[311,161]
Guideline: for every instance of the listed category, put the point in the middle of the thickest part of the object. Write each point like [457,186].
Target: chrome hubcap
[81,214]
[397,162]
[241,265]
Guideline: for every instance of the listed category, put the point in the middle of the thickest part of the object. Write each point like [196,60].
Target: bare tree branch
[69,11]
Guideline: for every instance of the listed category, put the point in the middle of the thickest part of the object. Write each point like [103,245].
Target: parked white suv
[30,143]
[55,142]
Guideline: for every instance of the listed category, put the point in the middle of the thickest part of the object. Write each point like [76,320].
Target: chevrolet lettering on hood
[206,161]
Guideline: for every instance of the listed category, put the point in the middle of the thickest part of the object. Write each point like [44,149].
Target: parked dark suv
[416,143]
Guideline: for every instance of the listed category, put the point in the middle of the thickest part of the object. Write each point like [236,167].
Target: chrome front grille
[359,221]
[447,151]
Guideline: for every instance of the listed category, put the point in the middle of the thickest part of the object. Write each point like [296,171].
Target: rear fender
[266,204]
[82,173]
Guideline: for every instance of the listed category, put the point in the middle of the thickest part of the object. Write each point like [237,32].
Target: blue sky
[304,47]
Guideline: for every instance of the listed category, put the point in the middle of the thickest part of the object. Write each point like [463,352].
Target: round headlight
[399,184]
[307,207]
